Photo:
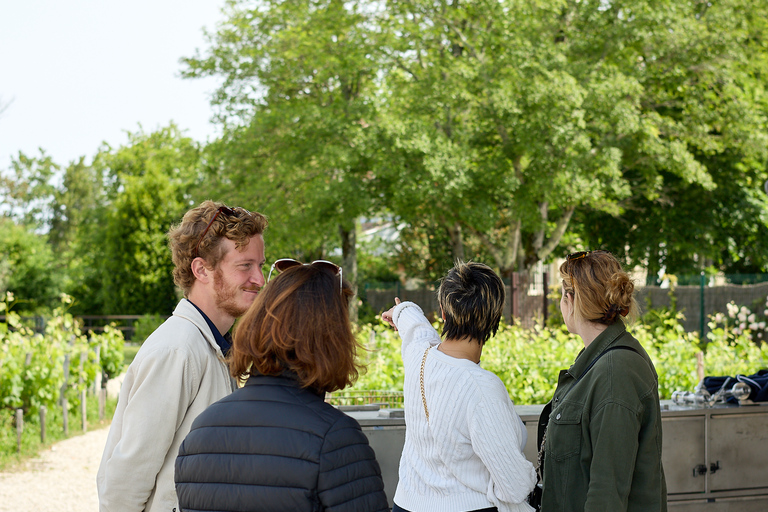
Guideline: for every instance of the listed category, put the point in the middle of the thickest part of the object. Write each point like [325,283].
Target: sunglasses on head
[283,264]
[229,212]
[583,254]
[578,256]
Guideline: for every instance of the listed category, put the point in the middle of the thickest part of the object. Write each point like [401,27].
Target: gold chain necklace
[421,379]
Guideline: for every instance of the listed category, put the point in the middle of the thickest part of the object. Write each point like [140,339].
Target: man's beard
[226,296]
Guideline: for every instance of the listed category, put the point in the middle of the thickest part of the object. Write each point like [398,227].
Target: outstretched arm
[387,315]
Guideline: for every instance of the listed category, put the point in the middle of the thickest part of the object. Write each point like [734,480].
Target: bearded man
[218,256]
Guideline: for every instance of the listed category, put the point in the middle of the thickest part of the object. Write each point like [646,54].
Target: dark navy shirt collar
[224,342]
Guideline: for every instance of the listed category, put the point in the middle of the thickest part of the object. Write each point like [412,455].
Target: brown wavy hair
[299,322]
[183,237]
[602,291]
[471,296]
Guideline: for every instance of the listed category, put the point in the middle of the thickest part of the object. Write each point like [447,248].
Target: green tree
[506,120]
[702,69]
[503,131]
[27,268]
[487,127]
[125,258]
[297,102]
[27,189]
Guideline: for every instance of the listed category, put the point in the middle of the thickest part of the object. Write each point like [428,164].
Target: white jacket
[178,372]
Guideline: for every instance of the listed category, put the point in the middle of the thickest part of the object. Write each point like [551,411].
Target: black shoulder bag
[534,499]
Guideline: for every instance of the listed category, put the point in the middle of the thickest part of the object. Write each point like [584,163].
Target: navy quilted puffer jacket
[273,446]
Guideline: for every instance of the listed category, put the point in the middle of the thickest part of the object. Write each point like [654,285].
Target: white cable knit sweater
[469,455]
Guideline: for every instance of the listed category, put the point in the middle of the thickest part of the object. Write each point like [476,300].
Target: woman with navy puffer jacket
[275,444]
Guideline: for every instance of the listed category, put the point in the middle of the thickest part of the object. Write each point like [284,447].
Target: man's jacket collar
[185,309]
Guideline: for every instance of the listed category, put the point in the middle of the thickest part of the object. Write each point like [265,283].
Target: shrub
[112,351]
[33,365]
[145,326]
[528,360]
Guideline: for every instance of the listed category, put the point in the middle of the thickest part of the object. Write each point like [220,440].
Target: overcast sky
[79,72]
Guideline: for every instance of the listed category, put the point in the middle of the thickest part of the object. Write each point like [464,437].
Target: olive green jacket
[603,440]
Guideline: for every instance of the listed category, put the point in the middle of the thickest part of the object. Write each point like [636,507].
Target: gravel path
[62,478]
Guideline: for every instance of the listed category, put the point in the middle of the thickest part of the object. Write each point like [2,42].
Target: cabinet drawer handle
[701,469]
[714,466]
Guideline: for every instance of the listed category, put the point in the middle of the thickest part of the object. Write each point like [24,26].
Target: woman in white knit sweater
[463,438]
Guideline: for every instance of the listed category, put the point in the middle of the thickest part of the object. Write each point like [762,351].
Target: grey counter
[715,459]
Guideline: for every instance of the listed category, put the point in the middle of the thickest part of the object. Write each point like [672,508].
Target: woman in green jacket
[600,435]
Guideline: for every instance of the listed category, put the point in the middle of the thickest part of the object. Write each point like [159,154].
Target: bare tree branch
[557,234]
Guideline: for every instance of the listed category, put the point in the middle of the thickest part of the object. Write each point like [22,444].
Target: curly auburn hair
[236,224]
[602,291]
[299,322]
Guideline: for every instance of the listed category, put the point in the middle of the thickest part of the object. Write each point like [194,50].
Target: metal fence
[88,323]
[527,301]
[388,399]
[124,323]
[526,298]
[708,297]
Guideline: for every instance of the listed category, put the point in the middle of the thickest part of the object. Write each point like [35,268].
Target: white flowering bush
[740,321]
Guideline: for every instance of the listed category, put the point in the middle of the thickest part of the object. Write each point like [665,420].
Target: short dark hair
[299,322]
[471,296]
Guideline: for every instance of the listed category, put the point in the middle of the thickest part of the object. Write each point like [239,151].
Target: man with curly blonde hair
[218,255]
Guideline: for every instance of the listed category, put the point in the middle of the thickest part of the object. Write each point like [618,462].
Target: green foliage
[703,95]
[554,315]
[528,360]
[381,357]
[298,97]
[152,177]
[130,352]
[673,352]
[487,127]
[27,190]
[736,355]
[33,365]
[146,325]
[112,351]
[28,268]
[494,131]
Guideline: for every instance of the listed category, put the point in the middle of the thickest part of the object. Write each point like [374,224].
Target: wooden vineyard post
[43,412]
[102,403]
[63,401]
[19,428]
[83,416]
[97,378]
[83,411]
